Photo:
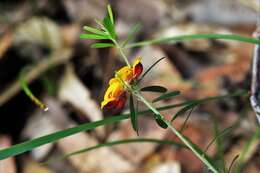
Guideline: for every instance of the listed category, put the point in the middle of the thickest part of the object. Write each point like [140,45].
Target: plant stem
[121,51]
[176,132]
[135,91]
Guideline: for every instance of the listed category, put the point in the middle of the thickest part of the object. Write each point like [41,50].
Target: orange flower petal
[108,104]
[126,73]
[114,91]
[113,81]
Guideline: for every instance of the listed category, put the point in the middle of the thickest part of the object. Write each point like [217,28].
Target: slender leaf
[28,92]
[160,122]
[167,96]
[31,144]
[110,13]
[133,114]
[150,68]
[186,120]
[102,45]
[93,36]
[185,109]
[154,88]
[245,150]
[232,163]
[224,132]
[219,146]
[194,37]
[132,34]
[126,141]
[95,31]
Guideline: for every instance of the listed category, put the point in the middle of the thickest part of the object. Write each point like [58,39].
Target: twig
[55,59]
[255,85]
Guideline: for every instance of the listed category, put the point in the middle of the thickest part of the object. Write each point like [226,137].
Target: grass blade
[154,88]
[102,45]
[245,150]
[185,109]
[232,163]
[222,133]
[132,33]
[194,37]
[95,31]
[28,92]
[156,62]
[93,36]
[219,146]
[126,141]
[133,114]
[31,144]
[167,96]
[186,120]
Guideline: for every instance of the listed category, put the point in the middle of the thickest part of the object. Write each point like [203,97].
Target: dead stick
[255,85]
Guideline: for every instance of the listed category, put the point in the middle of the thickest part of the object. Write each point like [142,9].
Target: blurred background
[71,78]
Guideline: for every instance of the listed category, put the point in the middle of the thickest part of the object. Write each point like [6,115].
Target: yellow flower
[115,96]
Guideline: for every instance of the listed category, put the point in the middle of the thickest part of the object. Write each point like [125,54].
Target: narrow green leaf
[245,150]
[194,37]
[102,45]
[133,114]
[126,141]
[150,68]
[93,36]
[154,88]
[219,146]
[28,92]
[224,132]
[186,120]
[132,34]
[160,122]
[110,13]
[31,144]
[95,31]
[184,109]
[167,96]
[232,163]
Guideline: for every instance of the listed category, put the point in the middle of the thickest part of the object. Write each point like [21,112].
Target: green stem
[176,132]
[121,51]
[193,37]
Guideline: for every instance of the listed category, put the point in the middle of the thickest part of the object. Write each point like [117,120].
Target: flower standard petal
[126,74]
[113,94]
[109,103]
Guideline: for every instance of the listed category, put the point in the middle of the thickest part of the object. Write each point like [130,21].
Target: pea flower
[116,93]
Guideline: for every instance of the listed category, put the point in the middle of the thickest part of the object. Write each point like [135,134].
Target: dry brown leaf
[5,43]
[102,160]
[136,152]
[73,91]
[33,167]
[43,123]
